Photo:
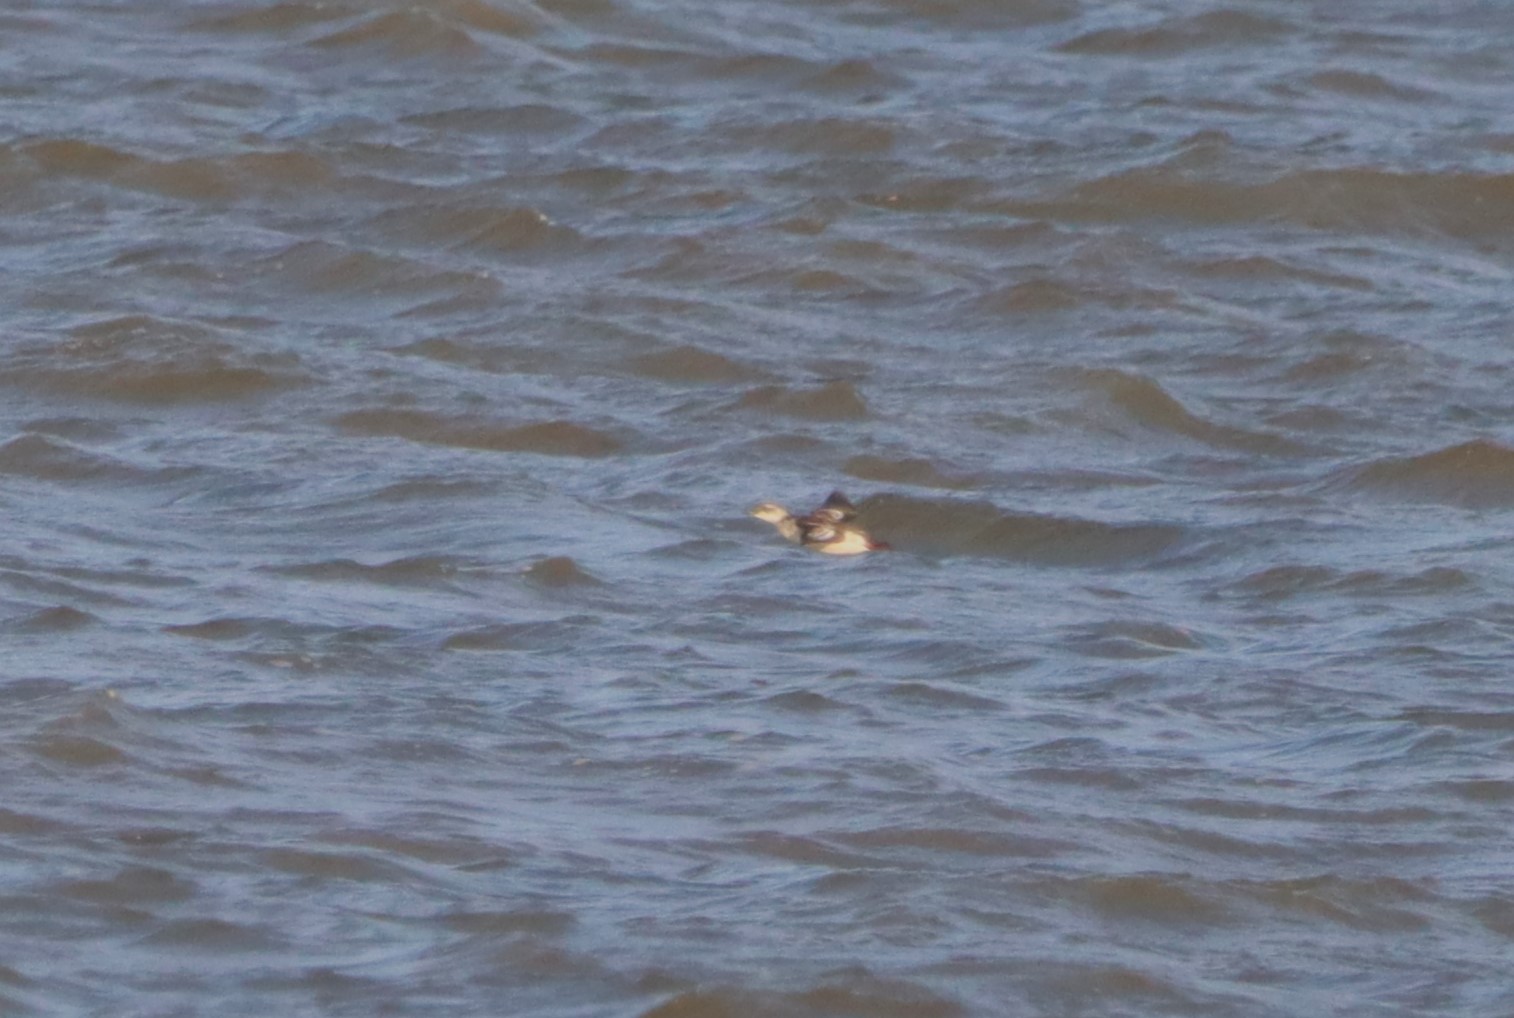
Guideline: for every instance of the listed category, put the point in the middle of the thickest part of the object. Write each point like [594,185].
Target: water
[385,385]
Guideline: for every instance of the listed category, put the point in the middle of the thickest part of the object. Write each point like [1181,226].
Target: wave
[950,527]
[1461,205]
[691,364]
[50,459]
[152,360]
[548,438]
[1211,30]
[1474,475]
[220,179]
[416,570]
[1143,402]
[482,229]
[913,470]
[834,401]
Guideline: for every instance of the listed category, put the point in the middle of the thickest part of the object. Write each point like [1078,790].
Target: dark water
[384,386]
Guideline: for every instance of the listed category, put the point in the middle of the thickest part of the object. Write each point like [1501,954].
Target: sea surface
[383,387]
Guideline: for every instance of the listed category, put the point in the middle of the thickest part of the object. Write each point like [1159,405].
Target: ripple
[692,364]
[803,701]
[507,922]
[1143,402]
[421,837]
[1379,905]
[332,865]
[1031,296]
[215,179]
[554,634]
[57,619]
[914,470]
[853,76]
[1344,353]
[417,570]
[74,156]
[1121,640]
[1366,85]
[232,178]
[212,935]
[547,438]
[489,229]
[936,694]
[1223,29]
[1278,583]
[856,994]
[956,840]
[49,459]
[560,571]
[134,885]
[216,629]
[15,824]
[154,361]
[1260,270]
[406,34]
[1153,898]
[829,135]
[701,549]
[949,527]
[834,401]
[1078,986]
[507,120]
[1474,475]
[1463,720]
[78,750]
[281,17]
[325,269]
[1459,205]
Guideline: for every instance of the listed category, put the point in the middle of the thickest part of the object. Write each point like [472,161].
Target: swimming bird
[828,529]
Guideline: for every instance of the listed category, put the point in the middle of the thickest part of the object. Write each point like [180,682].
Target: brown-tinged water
[384,385]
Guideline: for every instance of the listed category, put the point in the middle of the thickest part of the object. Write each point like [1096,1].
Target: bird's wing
[837,506]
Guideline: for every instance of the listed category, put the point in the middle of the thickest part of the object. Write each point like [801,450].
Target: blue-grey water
[385,384]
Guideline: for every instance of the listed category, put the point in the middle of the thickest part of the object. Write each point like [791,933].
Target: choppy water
[384,386]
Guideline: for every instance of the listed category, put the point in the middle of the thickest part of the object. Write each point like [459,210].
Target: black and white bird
[829,529]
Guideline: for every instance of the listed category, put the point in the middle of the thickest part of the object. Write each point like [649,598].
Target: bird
[828,529]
